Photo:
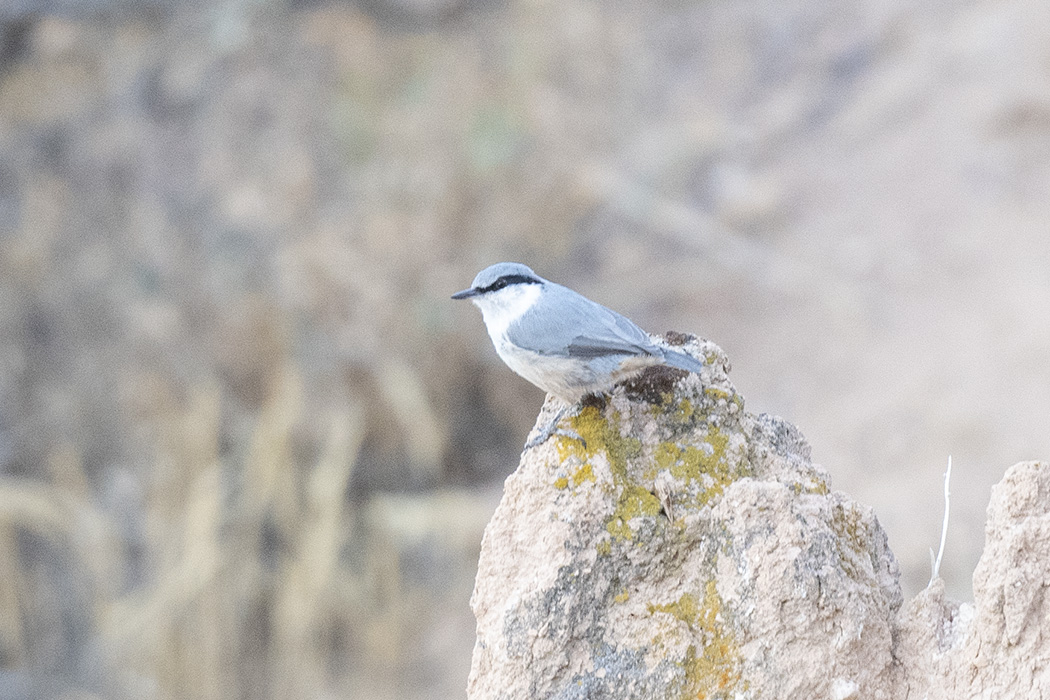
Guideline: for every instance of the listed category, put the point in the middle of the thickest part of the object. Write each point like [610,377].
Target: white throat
[500,309]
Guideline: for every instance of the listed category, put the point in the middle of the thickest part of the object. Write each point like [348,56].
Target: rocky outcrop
[681,547]
[998,647]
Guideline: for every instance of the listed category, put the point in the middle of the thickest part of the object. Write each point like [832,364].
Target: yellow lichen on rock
[601,435]
[584,473]
[634,502]
[710,464]
[713,671]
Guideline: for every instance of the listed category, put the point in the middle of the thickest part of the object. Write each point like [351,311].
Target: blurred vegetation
[248,445]
[246,576]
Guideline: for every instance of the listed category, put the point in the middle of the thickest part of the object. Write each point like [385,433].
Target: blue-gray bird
[559,340]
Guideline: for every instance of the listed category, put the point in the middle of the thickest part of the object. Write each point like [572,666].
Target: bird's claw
[552,429]
[545,434]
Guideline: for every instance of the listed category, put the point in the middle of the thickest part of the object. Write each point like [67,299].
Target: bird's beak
[465,294]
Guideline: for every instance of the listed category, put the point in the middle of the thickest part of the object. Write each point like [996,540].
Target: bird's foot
[552,429]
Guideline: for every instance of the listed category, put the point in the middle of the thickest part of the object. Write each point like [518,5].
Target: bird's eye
[508,280]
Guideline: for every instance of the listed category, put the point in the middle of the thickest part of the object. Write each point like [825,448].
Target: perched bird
[559,340]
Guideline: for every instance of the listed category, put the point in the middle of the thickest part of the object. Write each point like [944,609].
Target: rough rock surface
[999,646]
[684,548]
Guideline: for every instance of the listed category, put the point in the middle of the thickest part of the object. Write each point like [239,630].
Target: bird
[559,340]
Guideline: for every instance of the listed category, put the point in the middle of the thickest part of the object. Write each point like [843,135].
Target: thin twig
[936,562]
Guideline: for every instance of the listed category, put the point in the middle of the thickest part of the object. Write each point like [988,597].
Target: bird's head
[503,292]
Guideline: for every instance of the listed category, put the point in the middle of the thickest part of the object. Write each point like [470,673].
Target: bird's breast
[570,379]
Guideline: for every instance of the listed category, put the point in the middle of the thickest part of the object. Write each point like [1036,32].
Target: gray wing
[567,324]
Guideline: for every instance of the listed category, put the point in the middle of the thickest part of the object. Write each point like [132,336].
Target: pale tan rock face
[688,549]
[684,548]
[999,646]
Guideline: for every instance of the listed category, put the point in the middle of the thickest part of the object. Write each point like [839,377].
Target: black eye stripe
[508,280]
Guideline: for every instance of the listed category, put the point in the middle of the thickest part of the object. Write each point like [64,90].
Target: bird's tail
[681,360]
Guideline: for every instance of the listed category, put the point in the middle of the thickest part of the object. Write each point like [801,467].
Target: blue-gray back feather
[579,328]
[585,330]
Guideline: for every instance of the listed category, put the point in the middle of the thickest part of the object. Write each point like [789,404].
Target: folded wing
[580,329]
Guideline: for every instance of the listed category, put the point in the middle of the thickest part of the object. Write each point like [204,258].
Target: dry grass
[253,575]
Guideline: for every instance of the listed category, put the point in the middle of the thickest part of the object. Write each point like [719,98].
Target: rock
[684,548]
[687,548]
[998,647]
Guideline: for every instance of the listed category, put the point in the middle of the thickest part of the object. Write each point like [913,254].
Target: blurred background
[248,445]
